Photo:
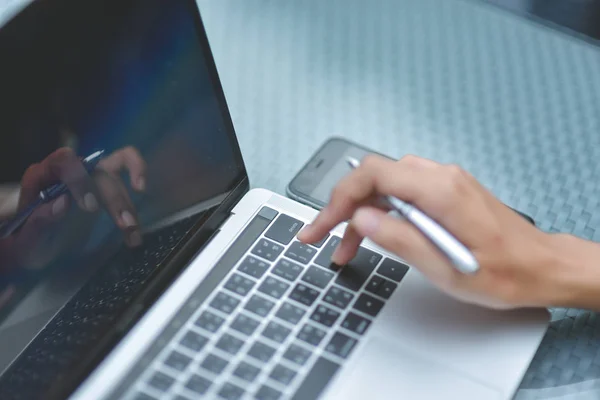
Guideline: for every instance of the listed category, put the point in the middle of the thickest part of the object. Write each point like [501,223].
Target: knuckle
[410,161]
[456,181]
[370,161]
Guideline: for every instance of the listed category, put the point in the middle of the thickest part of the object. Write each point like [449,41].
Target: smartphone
[313,184]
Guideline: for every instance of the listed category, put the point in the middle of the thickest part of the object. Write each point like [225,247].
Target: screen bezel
[200,234]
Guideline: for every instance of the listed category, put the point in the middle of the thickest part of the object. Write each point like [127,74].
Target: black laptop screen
[115,100]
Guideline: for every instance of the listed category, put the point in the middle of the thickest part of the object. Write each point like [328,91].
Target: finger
[43,219]
[33,181]
[64,166]
[399,237]
[119,206]
[127,158]
[346,250]
[376,175]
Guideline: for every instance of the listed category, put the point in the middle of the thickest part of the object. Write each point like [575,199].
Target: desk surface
[515,103]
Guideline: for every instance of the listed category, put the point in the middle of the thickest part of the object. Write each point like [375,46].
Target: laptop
[219,300]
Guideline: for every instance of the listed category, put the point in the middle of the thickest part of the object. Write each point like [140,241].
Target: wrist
[573,272]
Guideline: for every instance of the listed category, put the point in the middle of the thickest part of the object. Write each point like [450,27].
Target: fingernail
[366,221]
[128,219]
[90,202]
[59,206]
[336,256]
[141,183]
[135,239]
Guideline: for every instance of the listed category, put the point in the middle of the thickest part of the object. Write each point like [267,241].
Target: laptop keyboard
[279,325]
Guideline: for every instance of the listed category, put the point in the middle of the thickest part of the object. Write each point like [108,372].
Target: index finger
[375,175]
[131,159]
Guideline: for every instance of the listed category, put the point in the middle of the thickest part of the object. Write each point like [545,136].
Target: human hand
[45,233]
[516,259]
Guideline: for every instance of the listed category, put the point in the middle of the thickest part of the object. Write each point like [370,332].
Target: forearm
[573,273]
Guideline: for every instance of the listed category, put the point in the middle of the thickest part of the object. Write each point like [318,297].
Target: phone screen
[339,169]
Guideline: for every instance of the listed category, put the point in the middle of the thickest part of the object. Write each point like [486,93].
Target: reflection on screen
[580,16]
[108,111]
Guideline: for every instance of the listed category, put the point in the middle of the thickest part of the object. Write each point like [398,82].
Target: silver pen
[461,257]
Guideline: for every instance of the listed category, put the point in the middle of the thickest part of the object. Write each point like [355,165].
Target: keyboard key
[267,249]
[209,321]
[161,382]
[290,313]
[259,305]
[297,355]
[392,269]
[239,284]
[317,379]
[325,316]
[268,213]
[374,284]
[368,304]
[282,374]
[193,341]
[178,361]
[301,252]
[261,351]
[254,267]
[276,332]
[224,302]
[273,287]
[287,269]
[229,344]
[324,257]
[198,384]
[230,391]
[246,371]
[304,295]
[284,229]
[356,323]
[387,289]
[214,364]
[338,297]
[353,275]
[311,335]
[341,345]
[267,393]
[244,324]
[317,276]
[321,242]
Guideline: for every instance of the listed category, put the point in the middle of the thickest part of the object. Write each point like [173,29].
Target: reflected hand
[42,237]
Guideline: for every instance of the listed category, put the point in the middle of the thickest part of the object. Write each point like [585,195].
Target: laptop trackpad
[387,371]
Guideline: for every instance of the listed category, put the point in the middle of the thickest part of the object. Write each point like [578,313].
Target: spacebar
[316,380]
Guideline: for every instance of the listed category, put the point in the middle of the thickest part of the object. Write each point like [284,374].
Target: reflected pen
[45,196]
[458,254]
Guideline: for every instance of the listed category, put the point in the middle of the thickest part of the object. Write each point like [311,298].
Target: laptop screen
[113,126]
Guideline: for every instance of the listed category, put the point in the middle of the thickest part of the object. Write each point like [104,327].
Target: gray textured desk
[514,103]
